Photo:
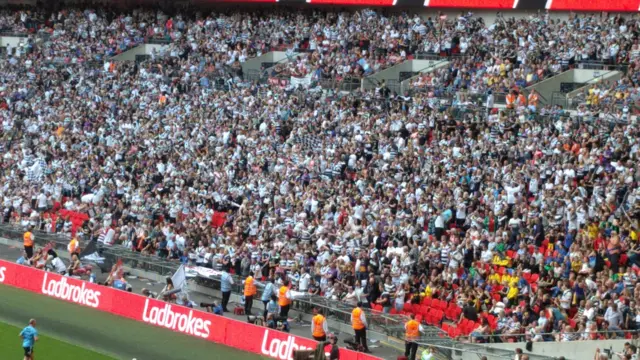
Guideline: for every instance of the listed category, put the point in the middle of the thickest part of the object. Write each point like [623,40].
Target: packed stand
[514,53]
[492,225]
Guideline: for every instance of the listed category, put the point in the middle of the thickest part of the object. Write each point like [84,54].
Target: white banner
[179,278]
[303,81]
[192,271]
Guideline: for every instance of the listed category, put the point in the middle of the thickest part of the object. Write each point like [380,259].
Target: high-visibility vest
[73,246]
[356,322]
[28,238]
[521,100]
[412,330]
[533,99]
[318,326]
[249,287]
[282,296]
[510,100]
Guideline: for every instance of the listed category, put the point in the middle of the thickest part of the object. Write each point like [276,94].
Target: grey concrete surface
[10,250]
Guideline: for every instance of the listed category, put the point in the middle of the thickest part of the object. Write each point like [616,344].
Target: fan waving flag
[218,219]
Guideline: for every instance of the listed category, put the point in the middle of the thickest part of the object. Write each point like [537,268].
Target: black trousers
[410,350]
[361,338]
[29,251]
[225,300]
[264,314]
[439,233]
[284,310]
[248,304]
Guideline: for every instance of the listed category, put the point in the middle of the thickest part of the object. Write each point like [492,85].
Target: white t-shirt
[42,201]
[58,265]
[304,282]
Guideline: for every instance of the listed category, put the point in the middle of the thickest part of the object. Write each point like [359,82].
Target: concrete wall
[547,87]
[256,63]
[605,76]
[145,49]
[393,73]
[334,326]
[573,350]
[406,84]
[11,40]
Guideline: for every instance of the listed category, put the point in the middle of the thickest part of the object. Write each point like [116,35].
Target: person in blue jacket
[29,337]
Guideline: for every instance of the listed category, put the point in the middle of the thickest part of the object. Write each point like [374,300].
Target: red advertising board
[353,2]
[593,5]
[218,329]
[471,4]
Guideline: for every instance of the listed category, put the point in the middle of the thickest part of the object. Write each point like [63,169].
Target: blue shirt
[28,336]
[272,307]
[120,285]
[266,294]
[218,310]
[225,282]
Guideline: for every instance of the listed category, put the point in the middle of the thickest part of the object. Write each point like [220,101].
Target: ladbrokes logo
[280,349]
[2,270]
[185,323]
[65,291]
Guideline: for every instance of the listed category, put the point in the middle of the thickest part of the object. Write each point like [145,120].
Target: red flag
[218,219]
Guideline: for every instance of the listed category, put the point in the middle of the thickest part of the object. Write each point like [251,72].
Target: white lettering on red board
[61,289]
[184,323]
[280,349]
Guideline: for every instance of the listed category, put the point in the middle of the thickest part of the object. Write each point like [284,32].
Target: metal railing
[548,336]
[594,65]
[14,33]
[336,310]
[158,41]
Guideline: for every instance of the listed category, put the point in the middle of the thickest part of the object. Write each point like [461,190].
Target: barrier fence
[332,309]
[214,328]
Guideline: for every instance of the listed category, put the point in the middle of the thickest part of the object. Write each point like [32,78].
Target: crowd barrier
[217,329]
[334,310]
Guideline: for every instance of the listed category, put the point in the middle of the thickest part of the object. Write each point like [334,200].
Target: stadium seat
[415,308]
[623,259]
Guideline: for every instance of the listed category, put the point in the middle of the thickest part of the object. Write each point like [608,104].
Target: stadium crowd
[517,223]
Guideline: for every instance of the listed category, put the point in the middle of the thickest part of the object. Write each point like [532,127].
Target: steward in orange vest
[249,292]
[411,336]
[359,324]
[28,242]
[284,299]
[319,326]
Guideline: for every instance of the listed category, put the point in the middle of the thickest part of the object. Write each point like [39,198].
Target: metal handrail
[333,309]
[547,334]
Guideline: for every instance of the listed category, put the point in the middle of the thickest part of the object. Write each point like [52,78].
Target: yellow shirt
[576,265]
[500,262]
[494,277]
[592,231]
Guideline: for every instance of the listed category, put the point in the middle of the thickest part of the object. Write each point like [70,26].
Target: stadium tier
[476,177]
